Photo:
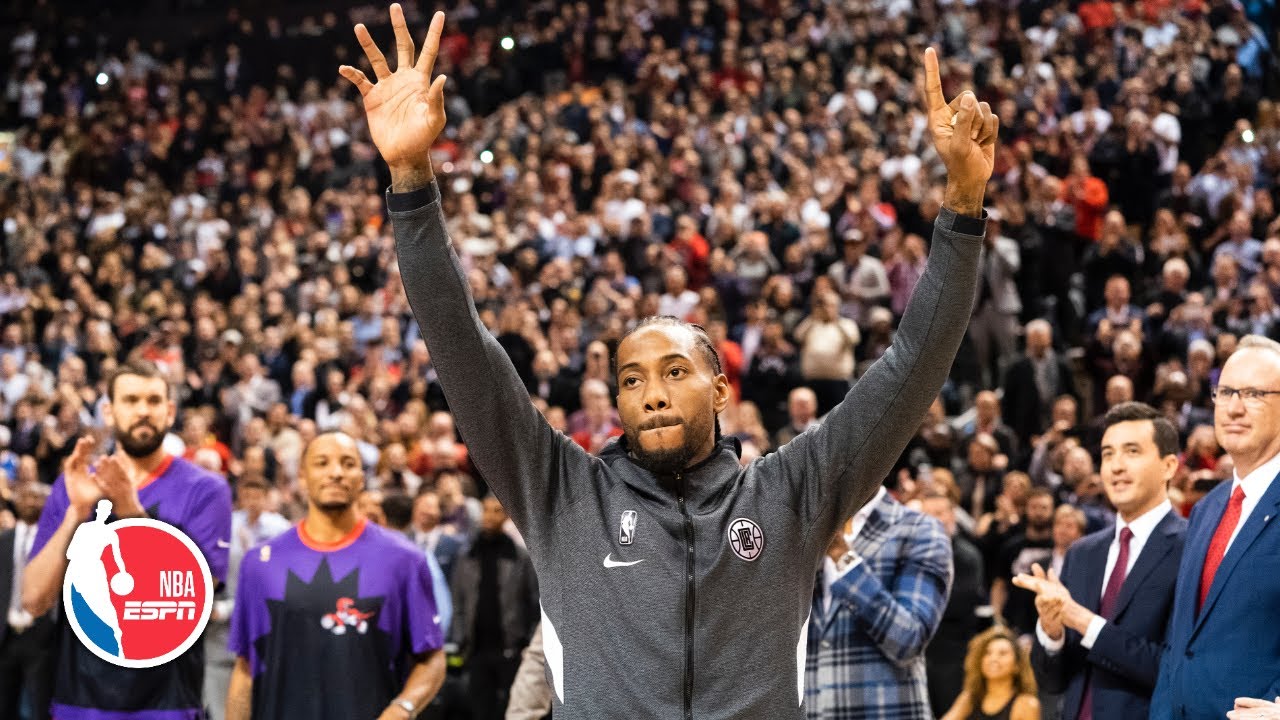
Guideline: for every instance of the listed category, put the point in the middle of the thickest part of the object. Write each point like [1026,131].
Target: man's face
[1249,429]
[29,501]
[332,472]
[668,397]
[141,413]
[941,510]
[1065,530]
[1077,466]
[1119,390]
[802,408]
[988,406]
[426,512]
[1040,512]
[493,516]
[1117,292]
[253,499]
[369,505]
[1134,475]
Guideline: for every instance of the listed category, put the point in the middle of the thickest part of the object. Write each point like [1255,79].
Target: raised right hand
[82,490]
[405,109]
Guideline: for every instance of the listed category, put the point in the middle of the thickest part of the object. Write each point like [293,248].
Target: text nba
[173,583]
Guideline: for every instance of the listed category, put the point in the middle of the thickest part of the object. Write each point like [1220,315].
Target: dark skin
[28,501]
[669,395]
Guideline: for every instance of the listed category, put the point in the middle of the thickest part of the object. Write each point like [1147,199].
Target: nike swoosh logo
[609,562]
[224,544]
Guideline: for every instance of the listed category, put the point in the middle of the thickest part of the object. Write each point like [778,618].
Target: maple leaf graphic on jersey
[302,651]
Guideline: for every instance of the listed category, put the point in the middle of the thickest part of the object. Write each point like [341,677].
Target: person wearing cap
[860,279]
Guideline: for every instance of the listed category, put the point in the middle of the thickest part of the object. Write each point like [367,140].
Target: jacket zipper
[688,601]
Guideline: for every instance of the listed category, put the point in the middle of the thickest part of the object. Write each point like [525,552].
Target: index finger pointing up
[933,96]
[431,48]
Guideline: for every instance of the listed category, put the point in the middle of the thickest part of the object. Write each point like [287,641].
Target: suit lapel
[1158,546]
[1259,519]
[876,531]
[867,545]
[1093,581]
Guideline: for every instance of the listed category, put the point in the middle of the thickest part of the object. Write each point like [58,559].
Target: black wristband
[414,199]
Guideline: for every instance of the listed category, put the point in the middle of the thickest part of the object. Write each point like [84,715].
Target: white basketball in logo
[746,538]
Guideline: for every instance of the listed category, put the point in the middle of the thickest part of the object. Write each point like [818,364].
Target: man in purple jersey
[334,619]
[141,480]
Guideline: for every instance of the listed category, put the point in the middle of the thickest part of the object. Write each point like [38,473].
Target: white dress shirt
[1141,527]
[830,574]
[24,536]
[1255,485]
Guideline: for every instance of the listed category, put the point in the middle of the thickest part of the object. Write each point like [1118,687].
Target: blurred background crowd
[208,199]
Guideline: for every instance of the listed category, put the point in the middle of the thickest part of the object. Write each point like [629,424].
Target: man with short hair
[335,618]
[1228,583]
[802,408]
[879,599]
[1032,546]
[1102,625]
[251,524]
[495,596]
[141,480]
[26,642]
[944,658]
[686,616]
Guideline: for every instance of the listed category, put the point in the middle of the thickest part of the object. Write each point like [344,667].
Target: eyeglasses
[1251,396]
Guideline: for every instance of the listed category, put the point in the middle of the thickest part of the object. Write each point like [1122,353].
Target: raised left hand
[116,486]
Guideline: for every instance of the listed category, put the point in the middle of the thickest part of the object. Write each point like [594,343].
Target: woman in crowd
[998,681]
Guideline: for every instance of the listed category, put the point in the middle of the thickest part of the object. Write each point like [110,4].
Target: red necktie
[1218,546]
[1107,609]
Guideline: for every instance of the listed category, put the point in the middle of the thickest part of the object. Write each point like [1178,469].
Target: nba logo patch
[746,539]
[627,528]
[138,592]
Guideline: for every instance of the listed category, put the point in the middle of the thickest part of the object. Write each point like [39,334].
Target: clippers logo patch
[137,592]
[746,538]
[627,528]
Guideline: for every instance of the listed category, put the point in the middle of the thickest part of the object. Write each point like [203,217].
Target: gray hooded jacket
[685,596]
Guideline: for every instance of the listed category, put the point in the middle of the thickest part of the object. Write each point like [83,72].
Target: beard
[139,447]
[334,506]
[667,461]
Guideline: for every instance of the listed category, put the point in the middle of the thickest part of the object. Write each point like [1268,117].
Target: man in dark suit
[1223,636]
[495,601]
[26,643]
[1101,628]
[944,658]
[1033,382]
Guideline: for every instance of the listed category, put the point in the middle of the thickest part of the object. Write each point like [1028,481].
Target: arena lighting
[486,156]
[102,78]
[1247,136]
[508,43]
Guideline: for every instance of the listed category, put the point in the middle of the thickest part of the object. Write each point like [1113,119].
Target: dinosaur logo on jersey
[137,592]
[346,615]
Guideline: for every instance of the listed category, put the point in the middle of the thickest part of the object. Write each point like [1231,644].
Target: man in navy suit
[1102,625]
[1224,637]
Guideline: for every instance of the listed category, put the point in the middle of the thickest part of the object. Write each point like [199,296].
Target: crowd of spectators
[762,168]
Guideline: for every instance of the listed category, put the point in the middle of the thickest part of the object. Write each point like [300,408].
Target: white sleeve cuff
[1053,647]
[1095,629]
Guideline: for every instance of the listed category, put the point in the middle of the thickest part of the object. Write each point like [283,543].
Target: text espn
[159,610]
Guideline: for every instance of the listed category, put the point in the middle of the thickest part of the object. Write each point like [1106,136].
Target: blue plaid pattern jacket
[866,655]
